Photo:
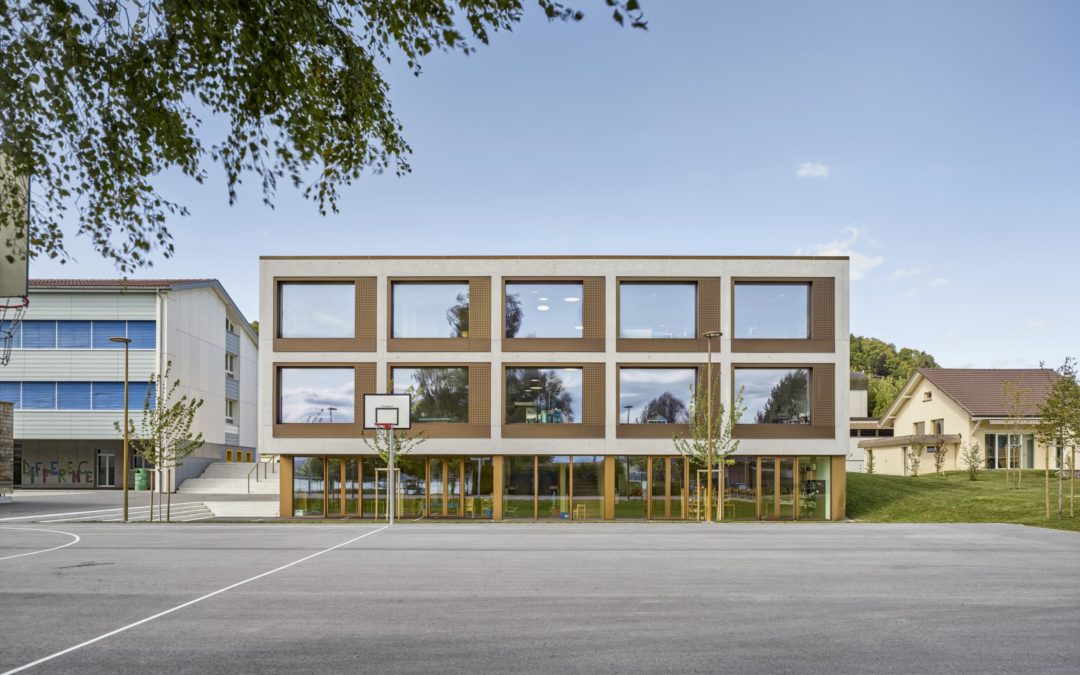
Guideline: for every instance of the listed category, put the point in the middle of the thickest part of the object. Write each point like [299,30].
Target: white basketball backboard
[390,409]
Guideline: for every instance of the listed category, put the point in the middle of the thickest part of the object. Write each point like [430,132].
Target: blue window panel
[11,392]
[103,330]
[73,334]
[39,335]
[73,395]
[16,339]
[39,396]
[137,395]
[143,334]
[108,395]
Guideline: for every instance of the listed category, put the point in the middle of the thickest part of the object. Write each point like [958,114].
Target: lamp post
[627,408]
[331,409]
[126,342]
[709,336]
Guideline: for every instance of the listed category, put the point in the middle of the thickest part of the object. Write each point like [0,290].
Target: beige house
[943,408]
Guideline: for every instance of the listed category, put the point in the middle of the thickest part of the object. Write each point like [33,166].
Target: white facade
[189,322]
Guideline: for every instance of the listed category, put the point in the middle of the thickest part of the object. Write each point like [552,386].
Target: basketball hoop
[12,309]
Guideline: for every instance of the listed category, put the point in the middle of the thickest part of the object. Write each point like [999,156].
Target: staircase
[231,478]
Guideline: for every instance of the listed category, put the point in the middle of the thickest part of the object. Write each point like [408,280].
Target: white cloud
[861,263]
[909,272]
[812,170]
[921,289]
[1038,324]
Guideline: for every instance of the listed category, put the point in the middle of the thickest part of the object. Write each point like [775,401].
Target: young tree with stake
[164,437]
[1017,399]
[1059,422]
[695,446]
[971,454]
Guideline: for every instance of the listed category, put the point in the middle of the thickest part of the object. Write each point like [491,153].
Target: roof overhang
[926,440]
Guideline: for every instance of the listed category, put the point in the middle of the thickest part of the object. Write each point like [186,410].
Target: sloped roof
[980,391]
[111,283]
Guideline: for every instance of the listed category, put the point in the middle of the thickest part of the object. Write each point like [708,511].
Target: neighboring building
[550,387]
[941,408]
[862,425]
[66,376]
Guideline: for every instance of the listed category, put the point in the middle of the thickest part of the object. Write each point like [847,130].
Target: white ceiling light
[543,299]
[571,299]
[543,308]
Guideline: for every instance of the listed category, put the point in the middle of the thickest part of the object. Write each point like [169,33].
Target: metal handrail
[264,461]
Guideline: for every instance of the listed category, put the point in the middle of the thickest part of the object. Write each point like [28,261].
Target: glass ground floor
[564,488]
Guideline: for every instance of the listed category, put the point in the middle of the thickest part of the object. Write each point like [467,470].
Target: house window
[316,310]
[316,395]
[658,310]
[74,396]
[430,310]
[104,330]
[73,334]
[774,395]
[928,396]
[543,395]
[772,311]
[655,395]
[1010,451]
[229,325]
[439,394]
[919,428]
[544,310]
[42,334]
[230,364]
[230,412]
[937,427]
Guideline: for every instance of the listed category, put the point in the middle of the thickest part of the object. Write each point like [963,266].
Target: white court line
[38,529]
[71,513]
[148,619]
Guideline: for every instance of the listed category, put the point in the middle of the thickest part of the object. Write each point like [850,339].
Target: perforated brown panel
[480,394]
[480,308]
[365,311]
[823,309]
[365,384]
[823,395]
[594,309]
[592,393]
[718,387]
[708,305]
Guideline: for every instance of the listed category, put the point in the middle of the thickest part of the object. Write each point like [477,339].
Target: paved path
[551,598]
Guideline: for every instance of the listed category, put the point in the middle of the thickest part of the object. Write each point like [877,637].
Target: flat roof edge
[555,257]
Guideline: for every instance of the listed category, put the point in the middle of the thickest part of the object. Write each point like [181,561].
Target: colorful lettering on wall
[58,472]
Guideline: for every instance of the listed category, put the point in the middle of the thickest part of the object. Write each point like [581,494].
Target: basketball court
[527,598]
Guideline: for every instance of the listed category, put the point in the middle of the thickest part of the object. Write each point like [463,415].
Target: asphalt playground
[552,598]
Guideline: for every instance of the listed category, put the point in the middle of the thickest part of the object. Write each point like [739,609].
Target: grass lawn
[952,498]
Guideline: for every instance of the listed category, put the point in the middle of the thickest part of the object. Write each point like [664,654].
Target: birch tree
[1017,398]
[1059,423]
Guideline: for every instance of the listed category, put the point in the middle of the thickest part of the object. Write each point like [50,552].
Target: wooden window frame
[479,339]
[821,319]
[707,309]
[593,317]
[593,403]
[364,374]
[822,394]
[364,315]
[479,424]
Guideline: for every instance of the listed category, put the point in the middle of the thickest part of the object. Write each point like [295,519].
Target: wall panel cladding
[480,310]
[366,300]
[823,309]
[708,305]
[592,394]
[594,310]
[480,395]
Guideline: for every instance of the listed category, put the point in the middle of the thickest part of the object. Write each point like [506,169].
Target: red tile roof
[110,283]
[980,391]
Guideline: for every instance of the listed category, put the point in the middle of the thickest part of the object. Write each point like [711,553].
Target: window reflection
[430,310]
[814,479]
[543,395]
[631,486]
[316,395]
[544,310]
[308,486]
[657,310]
[655,395]
[774,395]
[553,479]
[740,489]
[317,310]
[772,311]
[438,394]
[518,489]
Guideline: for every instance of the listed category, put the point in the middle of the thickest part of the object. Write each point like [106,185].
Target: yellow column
[609,488]
[497,487]
[285,504]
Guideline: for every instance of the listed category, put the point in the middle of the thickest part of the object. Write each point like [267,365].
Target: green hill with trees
[888,368]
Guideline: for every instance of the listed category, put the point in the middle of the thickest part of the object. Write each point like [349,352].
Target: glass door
[786,488]
[767,504]
[776,487]
[106,469]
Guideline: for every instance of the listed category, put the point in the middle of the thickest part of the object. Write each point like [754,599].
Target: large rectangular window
[518,487]
[73,334]
[104,330]
[143,334]
[73,396]
[774,395]
[772,311]
[740,489]
[553,487]
[309,486]
[12,393]
[655,395]
[588,484]
[815,475]
[658,310]
[430,310]
[543,395]
[439,394]
[316,395]
[544,310]
[316,310]
[39,395]
[39,335]
[631,487]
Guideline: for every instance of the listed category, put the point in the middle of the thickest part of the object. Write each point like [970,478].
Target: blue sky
[934,142]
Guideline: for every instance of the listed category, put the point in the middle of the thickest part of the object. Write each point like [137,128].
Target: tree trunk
[1061,479]
[168,498]
[1072,483]
[1047,481]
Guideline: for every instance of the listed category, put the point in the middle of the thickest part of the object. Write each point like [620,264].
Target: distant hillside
[888,368]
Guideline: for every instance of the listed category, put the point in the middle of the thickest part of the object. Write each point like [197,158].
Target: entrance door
[776,488]
[106,469]
[444,487]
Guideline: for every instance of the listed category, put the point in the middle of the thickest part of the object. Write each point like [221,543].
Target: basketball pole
[392,502]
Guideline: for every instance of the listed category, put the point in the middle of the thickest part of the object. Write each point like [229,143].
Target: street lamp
[126,342]
[331,409]
[627,409]
[709,336]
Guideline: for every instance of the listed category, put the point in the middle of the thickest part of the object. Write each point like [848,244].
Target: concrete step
[231,478]
[253,509]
